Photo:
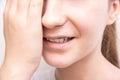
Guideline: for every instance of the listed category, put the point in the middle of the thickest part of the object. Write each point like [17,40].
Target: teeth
[60,40]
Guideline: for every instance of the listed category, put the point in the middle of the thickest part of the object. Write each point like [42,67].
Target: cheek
[88,20]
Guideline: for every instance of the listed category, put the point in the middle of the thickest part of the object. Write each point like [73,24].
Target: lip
[57,46]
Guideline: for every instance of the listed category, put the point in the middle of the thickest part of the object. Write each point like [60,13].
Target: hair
[109,45]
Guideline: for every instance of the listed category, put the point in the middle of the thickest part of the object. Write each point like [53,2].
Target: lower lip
[53,45]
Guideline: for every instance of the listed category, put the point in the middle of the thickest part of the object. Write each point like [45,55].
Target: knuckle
[9,14]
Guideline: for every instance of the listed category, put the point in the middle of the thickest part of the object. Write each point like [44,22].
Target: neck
[91,67]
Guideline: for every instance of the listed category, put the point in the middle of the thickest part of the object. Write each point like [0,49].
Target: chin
[57,61]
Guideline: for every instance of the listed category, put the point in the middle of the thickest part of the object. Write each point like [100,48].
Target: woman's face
[73,29]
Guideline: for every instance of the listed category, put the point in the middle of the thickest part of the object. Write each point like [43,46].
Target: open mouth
[58,40]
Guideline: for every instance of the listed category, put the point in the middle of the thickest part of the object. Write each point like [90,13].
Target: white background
[2,44]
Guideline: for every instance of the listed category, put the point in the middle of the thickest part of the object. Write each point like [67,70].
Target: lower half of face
[79,37]
[65,51]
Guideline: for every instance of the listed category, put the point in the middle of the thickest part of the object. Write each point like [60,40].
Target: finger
[35,9]
[13,7]
[35,13]
[10,9]
[22,6]
[10,5]
[6,8]
[7,4]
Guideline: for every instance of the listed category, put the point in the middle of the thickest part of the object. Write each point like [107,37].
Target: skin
[85,20]
[75,21]
[26,24]
[22,29]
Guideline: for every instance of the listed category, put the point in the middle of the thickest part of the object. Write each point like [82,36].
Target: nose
[53,15]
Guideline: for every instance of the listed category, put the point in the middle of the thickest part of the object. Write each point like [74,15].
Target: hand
[23,37]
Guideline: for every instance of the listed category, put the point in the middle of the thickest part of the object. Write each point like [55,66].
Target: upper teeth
[59,40]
